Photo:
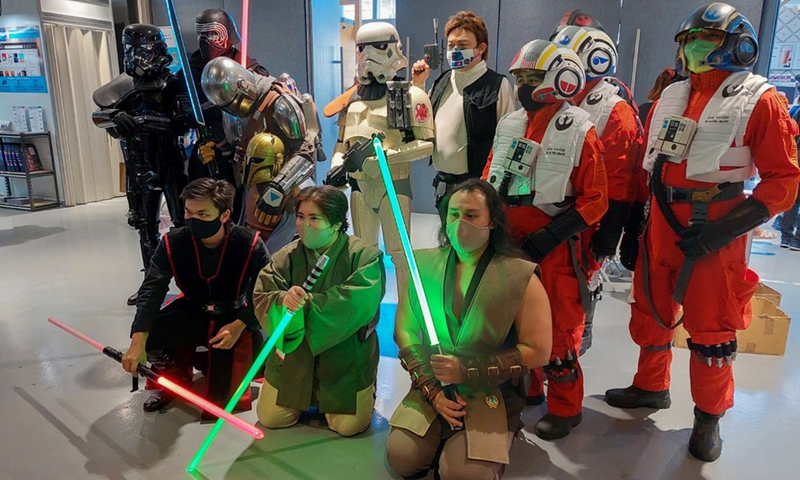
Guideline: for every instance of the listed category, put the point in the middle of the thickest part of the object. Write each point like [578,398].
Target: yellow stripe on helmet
[545,58]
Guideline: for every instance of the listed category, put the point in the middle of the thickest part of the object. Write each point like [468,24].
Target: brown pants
[272,415]
[410,455]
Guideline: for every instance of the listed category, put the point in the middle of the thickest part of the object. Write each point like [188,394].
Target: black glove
[629,247]
[540,243]
[606,238]
[125,124]
[700,240]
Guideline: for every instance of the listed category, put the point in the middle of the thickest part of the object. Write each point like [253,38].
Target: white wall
[23,13]
[76,9]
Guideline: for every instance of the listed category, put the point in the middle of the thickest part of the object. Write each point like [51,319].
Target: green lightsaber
[391,194]
[308,285]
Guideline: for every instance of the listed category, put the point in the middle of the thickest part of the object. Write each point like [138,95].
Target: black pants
[788,230]
[178,330]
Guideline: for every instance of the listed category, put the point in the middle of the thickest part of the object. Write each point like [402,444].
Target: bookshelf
[16,166]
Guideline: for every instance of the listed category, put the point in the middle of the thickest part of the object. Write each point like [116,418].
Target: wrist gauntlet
[494,369]
[416,360]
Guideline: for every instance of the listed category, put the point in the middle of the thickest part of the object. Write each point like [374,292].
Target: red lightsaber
[167,383]
[245,30]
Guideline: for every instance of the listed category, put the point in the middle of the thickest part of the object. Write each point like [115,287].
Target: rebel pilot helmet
[557,71]
[595,48]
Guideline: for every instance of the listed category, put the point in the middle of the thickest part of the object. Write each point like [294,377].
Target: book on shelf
[32,157]
[15,157]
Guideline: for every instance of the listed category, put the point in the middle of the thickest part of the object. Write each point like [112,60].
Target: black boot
[633,397]
[705,443]
[553,427]
[132,299]
[158,400]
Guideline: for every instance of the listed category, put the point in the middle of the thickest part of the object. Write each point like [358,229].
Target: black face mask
[202,229]
[525,94]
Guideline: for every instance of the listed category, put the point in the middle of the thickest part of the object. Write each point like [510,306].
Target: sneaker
[785,242]
[795,244]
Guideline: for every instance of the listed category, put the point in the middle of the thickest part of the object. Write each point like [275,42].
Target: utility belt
[367,330]
[224,308]
[718,193]
[527,201]
[443,182]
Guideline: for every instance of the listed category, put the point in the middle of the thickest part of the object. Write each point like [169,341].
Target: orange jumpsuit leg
[561,284]
[715,307]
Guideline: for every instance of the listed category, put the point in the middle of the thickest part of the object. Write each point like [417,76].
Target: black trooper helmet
[216,33]
[145,50]
[576,18]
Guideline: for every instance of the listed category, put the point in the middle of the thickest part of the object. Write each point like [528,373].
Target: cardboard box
[767,333]
[769,293]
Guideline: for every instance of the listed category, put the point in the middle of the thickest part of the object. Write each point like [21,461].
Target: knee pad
[714,355]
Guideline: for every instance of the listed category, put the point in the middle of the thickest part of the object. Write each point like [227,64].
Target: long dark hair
[499,237]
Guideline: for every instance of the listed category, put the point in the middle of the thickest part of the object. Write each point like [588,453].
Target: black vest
[480,115]
[227,283]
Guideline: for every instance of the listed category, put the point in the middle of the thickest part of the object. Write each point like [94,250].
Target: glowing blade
[391,194]
[194,99]
[312,278]
[187,395]
[245,30]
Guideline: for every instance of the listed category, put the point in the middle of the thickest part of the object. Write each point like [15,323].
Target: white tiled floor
[66,411]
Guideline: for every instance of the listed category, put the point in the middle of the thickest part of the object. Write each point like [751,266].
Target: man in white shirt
[468,101]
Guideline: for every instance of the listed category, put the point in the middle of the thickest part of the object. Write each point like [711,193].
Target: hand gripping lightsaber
[397,214]
[308,285]
[168,384]
[194,99]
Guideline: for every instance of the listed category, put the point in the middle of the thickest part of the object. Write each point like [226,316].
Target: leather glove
[699,240]
[540,243]
[629,247]
[125,124]
[207,152]
[605,239]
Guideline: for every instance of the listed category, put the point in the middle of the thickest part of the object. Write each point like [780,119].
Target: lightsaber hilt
[316,272]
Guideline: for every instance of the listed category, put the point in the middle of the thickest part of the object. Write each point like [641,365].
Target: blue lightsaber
[397,213]
[194,99]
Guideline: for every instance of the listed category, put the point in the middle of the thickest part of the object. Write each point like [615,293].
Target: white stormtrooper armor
[368,112]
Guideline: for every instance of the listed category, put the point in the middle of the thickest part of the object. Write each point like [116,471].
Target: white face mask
[460,58]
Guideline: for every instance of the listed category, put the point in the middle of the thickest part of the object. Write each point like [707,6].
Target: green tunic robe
[486,326]
[330,364]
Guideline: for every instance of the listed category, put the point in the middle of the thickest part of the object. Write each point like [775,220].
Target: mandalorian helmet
[265,154]
[145,50]
[380,53]
[230,86]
